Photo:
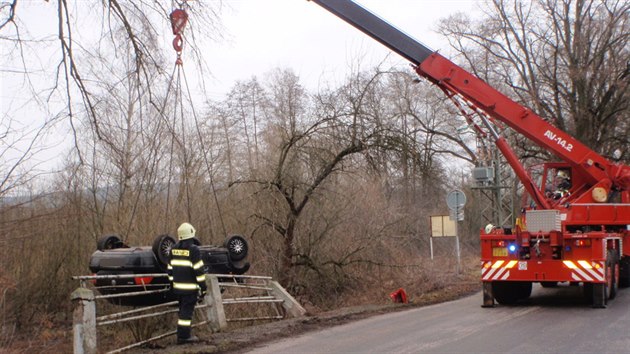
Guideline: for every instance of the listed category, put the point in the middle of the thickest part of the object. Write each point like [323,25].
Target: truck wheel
[509,292]
[587,292]
[549,284]
[162,248]
[237,247]
[524,290]
[109,242]
[624,272]
[612,274]
[598,294]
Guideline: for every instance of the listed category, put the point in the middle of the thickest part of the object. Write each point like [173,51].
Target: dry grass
[426,282]
[359,253]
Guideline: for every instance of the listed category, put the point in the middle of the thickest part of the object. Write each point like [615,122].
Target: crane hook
[179,18]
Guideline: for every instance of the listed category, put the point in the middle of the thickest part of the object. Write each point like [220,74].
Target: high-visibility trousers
[186,308]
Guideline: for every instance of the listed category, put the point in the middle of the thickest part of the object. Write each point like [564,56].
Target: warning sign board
[442,226]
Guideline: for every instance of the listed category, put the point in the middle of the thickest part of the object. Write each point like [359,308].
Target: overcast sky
[298,34]
[260,35]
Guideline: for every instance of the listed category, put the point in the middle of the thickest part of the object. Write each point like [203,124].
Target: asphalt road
[552,321]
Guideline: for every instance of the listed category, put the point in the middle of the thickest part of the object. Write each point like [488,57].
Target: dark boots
[191,339]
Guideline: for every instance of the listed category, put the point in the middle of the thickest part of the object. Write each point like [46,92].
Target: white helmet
[185,231]
[563,174]
[489,228]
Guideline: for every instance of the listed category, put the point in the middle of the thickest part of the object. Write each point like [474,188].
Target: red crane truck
[577,228]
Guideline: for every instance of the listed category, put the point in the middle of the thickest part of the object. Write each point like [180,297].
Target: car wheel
[240,268]
[162,248]
[237,247]
[109,242]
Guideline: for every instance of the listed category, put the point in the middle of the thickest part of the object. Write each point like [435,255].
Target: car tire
[237,247]
[162,248]
[109,242]
[240,268]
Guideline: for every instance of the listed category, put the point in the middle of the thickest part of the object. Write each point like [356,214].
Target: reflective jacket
[185,269]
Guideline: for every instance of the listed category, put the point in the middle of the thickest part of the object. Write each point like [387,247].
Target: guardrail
[85,320]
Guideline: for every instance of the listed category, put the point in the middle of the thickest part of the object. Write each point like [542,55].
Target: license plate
[499,252]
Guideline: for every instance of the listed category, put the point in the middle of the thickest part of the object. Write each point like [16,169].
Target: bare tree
[18,147]
[566,59]
[310,140]
[137,24]
[433,135]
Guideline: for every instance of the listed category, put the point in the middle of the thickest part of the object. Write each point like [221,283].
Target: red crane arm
[445,73]
[595,169]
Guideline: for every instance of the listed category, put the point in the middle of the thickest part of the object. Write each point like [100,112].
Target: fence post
[290,305]
[84,321]
[216,314]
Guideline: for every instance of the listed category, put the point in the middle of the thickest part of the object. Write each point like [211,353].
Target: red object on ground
[399,296]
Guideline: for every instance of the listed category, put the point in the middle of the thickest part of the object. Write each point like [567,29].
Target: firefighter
[563,184]
[188,279]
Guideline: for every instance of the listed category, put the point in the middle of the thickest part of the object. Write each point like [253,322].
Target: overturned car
[113,258]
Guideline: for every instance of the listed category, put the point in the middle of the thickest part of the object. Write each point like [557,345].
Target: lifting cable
[179,19]
[170,167]
[148,172]
[153,143]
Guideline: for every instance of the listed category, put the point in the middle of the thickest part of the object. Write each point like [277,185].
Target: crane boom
[580,234]
[378,29]
[429,64]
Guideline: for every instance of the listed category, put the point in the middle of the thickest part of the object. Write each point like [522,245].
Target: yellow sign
[442,225]
[177,252]
[499,252]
